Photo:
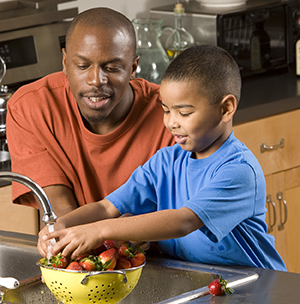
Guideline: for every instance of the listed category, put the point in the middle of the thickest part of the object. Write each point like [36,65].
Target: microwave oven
[259,34]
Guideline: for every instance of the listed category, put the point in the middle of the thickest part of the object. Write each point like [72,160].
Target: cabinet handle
[269,201]
[281,199]
[264,147]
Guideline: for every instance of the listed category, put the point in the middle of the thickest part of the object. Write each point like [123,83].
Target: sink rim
[235,277]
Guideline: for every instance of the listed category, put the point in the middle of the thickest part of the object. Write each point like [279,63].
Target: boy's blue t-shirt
[226,190]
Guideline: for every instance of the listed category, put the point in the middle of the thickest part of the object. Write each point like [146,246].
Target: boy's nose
[171,123]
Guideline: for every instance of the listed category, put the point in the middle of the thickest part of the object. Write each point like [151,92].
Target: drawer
[270,132]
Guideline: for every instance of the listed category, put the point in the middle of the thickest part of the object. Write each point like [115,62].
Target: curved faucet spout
[48,215]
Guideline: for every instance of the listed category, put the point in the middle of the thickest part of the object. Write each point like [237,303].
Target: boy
[203,199]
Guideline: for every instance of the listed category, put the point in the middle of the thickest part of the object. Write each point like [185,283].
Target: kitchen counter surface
[268,94]
[272,287]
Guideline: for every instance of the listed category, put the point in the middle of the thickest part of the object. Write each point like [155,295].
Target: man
[80,133]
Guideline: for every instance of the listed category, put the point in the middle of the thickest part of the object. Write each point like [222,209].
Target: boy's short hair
[211,68]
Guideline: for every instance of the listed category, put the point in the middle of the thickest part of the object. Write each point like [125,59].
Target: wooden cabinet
[16,218]
[275,141]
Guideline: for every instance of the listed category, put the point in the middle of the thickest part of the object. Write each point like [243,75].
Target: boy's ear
[229,106]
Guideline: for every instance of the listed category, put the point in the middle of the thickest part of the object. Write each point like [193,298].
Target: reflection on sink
[162,280]
[18,255]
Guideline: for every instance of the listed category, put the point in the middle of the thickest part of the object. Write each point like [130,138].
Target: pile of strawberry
[109,256]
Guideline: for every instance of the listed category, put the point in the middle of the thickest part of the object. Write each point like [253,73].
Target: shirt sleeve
[27,139]
[138,194]
[227,200]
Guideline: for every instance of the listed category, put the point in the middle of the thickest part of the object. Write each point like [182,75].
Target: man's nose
[97,77]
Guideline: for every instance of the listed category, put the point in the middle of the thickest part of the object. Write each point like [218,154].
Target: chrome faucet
[49,216]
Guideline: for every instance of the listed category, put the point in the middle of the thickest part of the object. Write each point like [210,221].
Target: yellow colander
[86,287]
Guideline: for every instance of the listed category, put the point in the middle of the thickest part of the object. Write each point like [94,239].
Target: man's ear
[64,60]
[229,106]
[134,66]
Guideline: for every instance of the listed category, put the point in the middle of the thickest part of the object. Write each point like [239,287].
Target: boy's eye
[185,114]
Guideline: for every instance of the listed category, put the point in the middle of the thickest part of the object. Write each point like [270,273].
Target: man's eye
[166,111]
[112,69]
[82,67]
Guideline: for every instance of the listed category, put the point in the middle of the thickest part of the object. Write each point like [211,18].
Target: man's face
[99,64]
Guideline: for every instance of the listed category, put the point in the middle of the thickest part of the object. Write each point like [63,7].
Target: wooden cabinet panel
[270,131]
[16,218]
[281,167]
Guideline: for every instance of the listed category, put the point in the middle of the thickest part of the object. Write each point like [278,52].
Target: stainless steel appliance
[259,34]
[32,33]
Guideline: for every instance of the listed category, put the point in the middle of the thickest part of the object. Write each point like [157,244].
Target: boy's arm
[155,226]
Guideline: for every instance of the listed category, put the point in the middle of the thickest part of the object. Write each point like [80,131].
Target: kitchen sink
[162,280]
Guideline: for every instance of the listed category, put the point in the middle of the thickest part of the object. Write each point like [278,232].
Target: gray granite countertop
[268,94]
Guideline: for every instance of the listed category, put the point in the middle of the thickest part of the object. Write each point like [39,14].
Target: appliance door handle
[283,201]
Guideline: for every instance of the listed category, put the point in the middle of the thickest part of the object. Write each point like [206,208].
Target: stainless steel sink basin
[162,280]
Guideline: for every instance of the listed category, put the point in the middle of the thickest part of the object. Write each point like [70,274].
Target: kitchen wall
[130,8]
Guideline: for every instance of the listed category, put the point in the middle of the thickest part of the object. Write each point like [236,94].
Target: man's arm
[62,200]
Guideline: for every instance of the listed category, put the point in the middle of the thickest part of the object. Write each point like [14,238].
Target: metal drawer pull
[280,198]
[269,201]
[264,147]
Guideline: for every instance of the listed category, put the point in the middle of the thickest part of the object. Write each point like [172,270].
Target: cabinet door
[284,188]
[14,217]
[275,141]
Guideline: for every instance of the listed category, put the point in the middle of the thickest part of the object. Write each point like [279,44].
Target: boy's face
[195,123]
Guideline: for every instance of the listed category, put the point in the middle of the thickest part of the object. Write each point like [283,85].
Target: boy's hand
[45,247]
[73,241]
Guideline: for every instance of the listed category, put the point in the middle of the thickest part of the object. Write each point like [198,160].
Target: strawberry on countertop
[219,287]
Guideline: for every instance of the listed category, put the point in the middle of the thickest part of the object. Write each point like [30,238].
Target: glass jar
[180,39]
[153,58]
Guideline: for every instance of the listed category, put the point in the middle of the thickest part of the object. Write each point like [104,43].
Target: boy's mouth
[180,139]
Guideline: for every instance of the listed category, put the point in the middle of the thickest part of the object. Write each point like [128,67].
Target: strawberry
[59,261]
[89,263]
[138,259]
[109,244]
[218,287]
[123,263]
[74,266]
[126,249]
[109,258]
[82,256]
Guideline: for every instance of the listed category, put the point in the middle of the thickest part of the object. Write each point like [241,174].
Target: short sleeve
[227,200]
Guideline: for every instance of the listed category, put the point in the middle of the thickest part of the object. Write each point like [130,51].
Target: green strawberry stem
[224,287]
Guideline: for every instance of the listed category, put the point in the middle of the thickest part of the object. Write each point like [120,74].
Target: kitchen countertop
[272,287]
[268,94]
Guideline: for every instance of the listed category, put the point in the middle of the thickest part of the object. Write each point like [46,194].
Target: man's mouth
[98,99]
[96,102]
